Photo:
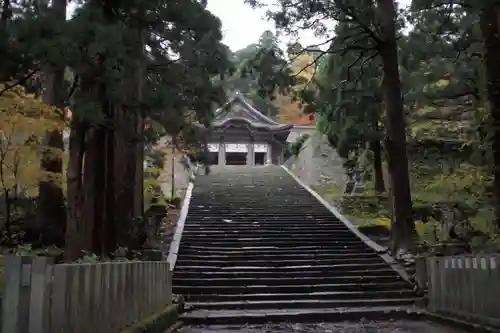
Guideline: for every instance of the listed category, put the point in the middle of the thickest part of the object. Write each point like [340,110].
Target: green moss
[156,323]
[329,191]
[152,191]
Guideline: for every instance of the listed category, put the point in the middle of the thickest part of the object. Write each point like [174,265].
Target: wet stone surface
[348,327]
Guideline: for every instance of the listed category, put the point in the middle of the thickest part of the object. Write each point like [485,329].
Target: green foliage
[295,147]
[252,65]
[153,193]
[174,202]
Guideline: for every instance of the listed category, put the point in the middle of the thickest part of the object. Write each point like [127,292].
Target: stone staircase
[257,246]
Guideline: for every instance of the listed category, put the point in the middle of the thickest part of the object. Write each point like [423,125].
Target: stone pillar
[222,153]
[250,154]
[269,154]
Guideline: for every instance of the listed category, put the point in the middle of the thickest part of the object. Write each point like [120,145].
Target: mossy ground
[436,182]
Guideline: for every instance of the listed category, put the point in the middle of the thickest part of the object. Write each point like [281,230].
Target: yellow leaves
[304,66]
[288,109]
[442,83]
[383,221]
[24,122]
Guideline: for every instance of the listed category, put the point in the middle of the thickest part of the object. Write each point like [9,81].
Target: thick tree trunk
[139,171]
[489,22]
[376,149]
[139,123]
[129,157]
[74,245]
[378,173]
[51,205]
[108,230]
[124,172]
[93,189]
[403,228]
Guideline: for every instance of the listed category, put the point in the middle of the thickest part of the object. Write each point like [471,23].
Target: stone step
[257,240]
[269,214]
[249,202]
[256,232]
[290,280]
[304,303]
[275,239]
[232,224]
[339,269]
[275,250]
[262,225]
[259,289]
[179,274]
[270,217]
[284,256]
[342,314]
[329,243]
[255,208]
[272,296]
[264,229]
[271,221]
[276,262]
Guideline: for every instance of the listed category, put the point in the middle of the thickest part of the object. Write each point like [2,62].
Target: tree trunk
[376,149]
[129,154]
[93,189]
[74,244]
[51,206]
[124,172]
[489,22]
[378,173]
[139,132]
[403,228]
[108,230]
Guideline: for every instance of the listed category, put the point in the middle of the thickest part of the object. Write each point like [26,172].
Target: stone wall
[319,166]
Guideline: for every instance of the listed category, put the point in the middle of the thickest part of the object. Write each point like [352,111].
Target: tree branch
[19,81]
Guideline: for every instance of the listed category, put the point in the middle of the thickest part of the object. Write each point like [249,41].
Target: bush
[174,202]
[295,147]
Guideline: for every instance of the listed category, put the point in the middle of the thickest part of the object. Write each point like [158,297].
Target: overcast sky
[243,25]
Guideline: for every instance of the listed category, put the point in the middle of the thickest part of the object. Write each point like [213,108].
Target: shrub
[174,202]
[295,147]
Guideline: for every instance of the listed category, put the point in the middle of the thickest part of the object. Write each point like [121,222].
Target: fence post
[169,285]
[13,298]
[39,308]
[421,272]
[25,301]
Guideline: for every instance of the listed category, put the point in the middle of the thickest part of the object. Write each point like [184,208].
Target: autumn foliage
[24,120]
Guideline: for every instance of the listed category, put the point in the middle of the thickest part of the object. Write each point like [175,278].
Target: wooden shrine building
[241,135]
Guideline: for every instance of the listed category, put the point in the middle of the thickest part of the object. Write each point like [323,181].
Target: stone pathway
[359,327]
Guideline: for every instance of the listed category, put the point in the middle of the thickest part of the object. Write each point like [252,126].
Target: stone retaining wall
[318,165]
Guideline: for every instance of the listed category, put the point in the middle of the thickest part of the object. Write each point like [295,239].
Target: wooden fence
[39,297]
[467,287]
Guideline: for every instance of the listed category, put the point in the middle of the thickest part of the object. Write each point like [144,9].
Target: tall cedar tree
[51,202]
[152,60]
[377,20]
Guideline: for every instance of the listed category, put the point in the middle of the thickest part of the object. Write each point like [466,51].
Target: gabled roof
[238,108]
